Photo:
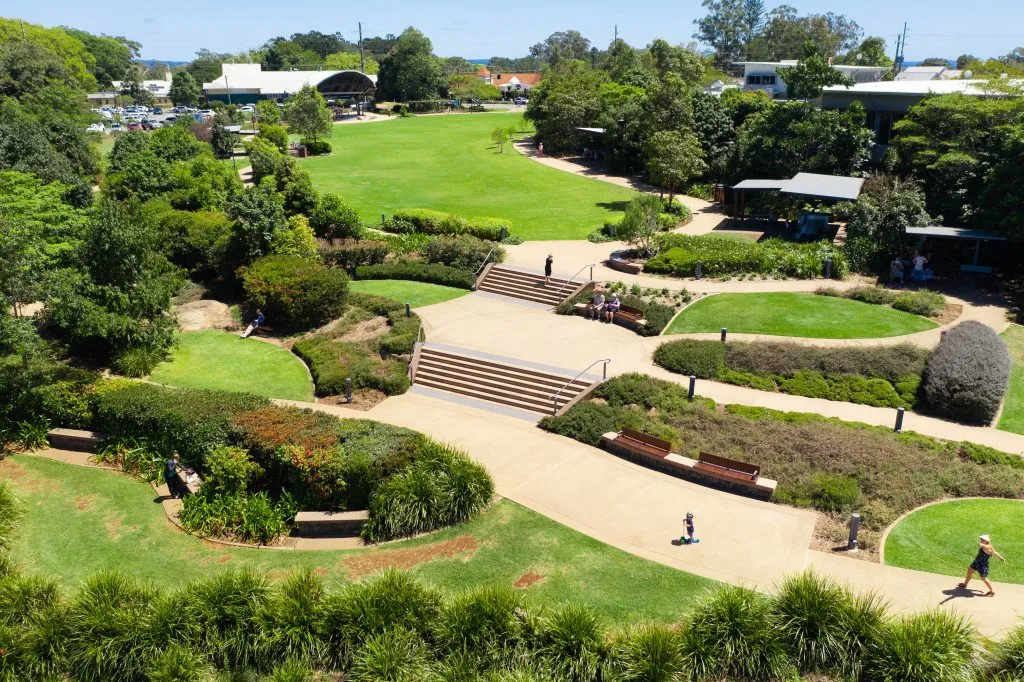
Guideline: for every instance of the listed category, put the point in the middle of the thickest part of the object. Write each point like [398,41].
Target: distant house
[113,97]
[763,76]
[509,83]
[249,83]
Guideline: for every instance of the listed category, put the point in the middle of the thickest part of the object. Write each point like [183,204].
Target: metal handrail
[604,375]
[420,340]
[420,337]
[484,263]
[569,281]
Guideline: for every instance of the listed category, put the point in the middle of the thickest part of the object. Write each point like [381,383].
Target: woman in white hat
[980,563]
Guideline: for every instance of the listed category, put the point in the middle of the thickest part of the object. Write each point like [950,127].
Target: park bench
[643,443]
[626,316]
[331,523]
[189,479]
[263,330]
[74,439]
[727,469]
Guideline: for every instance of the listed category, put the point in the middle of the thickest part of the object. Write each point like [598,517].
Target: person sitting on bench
[596,305]
[610,308]
[254,325]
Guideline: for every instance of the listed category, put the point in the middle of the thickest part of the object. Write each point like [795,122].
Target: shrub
[277,135]
[781,357]
[295,292]
[350,253]
[936,646]
[650,652]
[331,218]
[189,421]
[967,374]
[138,362]
[195,240]
[316,147]
[834,492]
[1008,662]
[11,512]
[390,600]
[393,655]
[703,359]
[873,295]
[429,221]
[263,156]
[923,303]
[331,361]
[242,517]
[419,272]
[722,256]
[483,622]
[572,641]
[461,251]
[229,470]
[179,663]
[134,456]
[585,422]
[810,614]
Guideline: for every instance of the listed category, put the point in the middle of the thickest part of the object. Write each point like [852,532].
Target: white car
[96,128]
[248,109]
[205,112]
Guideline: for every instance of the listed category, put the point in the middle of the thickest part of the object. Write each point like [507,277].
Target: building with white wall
[763,76]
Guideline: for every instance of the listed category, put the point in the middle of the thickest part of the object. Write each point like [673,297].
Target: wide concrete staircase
[527,286]
[498,380]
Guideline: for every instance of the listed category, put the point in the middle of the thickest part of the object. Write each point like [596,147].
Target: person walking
[547,268]
[689,538]
[980,564]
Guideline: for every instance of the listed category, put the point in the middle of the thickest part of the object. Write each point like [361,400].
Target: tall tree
[307,112]
[639,226]
[870,52]
[184,89]
[562,46]
[675,59]
[813,74]
[349,61]
[132,86]
[621,60]
[112,57]
[729,26]
[410,71]
[785,33]
[674,158]
[566,99]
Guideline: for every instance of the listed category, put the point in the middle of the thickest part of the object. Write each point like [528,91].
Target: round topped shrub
[294,292]
[967,374]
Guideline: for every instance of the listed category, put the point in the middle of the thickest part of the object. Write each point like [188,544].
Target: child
[689,539]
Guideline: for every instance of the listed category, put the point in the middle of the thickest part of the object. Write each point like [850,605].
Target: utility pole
[24,37]
[616,31]
[901,46]
[362,59]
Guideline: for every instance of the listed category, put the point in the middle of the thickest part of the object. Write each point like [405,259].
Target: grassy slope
[792,314]
[416,294]
[1013,407]
[82,520]
[943,538]
[221,360]
[449,163]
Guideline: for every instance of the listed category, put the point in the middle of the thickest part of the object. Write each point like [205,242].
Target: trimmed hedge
[429,221]
[723,256]
[462,251]
[316,147]
[419,272]
[967,375]
[331,361]
[887,376]
[295,292]
[351,253]
[922,302]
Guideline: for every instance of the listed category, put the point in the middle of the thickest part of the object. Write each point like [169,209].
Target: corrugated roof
[912,87]
[955,233]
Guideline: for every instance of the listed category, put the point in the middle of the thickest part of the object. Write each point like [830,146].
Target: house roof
[527,78]
[955,233]
[915,87]
[920,73]
[252,77]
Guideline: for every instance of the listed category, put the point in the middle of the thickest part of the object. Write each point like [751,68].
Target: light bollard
[348,390]
[725,332]
[851,546]
[408,310]
[700,269]
[693,387]
[899,420]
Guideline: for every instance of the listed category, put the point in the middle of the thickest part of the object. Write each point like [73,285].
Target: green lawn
[449,163]
[416,294]
[943,538]
[82,520]
[221,360]
[1013,405]
[791,314]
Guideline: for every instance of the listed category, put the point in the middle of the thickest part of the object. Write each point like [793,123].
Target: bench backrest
[647,439]
[631,310]
[726,463]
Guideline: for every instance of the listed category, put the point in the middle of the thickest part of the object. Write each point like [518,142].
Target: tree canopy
[410,71]
[307,113]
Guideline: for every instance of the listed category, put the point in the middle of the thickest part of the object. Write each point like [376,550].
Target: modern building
[888,101]
[113,97]
[249,83]
[764,76]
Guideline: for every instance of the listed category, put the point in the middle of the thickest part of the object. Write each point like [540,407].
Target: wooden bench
[642,442]
[262,330]
[74,439]
[189,479]
[336,523]
[625,316]
[727,469]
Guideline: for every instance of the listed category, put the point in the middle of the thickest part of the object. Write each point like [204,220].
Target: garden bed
[723,256]
[883,376]
[824,463]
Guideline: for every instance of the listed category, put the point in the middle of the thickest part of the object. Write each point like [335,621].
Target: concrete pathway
[640,511]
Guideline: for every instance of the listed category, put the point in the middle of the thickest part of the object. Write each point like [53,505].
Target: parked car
[151,125]
[96,128]
[519,101]
[205,112]
[170,119]
[116,128]
[158,110]
[248,109]
[134,125]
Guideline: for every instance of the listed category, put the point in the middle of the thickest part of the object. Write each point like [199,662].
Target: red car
[134,126]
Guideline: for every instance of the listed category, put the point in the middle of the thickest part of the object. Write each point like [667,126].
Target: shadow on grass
[613,205]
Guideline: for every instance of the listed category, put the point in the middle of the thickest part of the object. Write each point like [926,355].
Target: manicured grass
[792,314]
[449,163]
[82,520]
[943,538]
[221,360]
[1013,404]
[416,294]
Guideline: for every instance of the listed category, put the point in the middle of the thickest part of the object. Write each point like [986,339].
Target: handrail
[420,335]
[415,347]
[569,281]
[486,258]
[604,375]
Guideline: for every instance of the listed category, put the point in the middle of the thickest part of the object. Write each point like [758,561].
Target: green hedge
[419,272]
[294,292]
[724,256]
[316,147]
[887,376]
[921,302]
[331,361]
[429,221]
[350,253]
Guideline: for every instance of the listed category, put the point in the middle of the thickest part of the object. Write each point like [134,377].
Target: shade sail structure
[596,131]
[832,187]
[955,233]
[760,185]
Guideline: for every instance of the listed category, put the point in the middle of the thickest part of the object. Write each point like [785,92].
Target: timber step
[512,385]
[527,286]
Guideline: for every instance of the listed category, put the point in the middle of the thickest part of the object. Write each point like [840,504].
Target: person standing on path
[689,538]
[171,474]
[980,564]
[547,268]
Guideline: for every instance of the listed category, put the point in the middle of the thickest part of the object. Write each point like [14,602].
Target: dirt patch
[85,503]
[527,579]
[204,314]
[949,314]
[831,534]
[366,330]
[113,527]
[462,547]
[225,559]
[11,470]
[361,400]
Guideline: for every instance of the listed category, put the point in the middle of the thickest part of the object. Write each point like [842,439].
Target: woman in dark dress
[980,564]
[547,268]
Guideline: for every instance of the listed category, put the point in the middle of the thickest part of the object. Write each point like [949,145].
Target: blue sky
[175,30]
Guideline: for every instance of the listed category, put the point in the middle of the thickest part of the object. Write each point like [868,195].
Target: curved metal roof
[346,83]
